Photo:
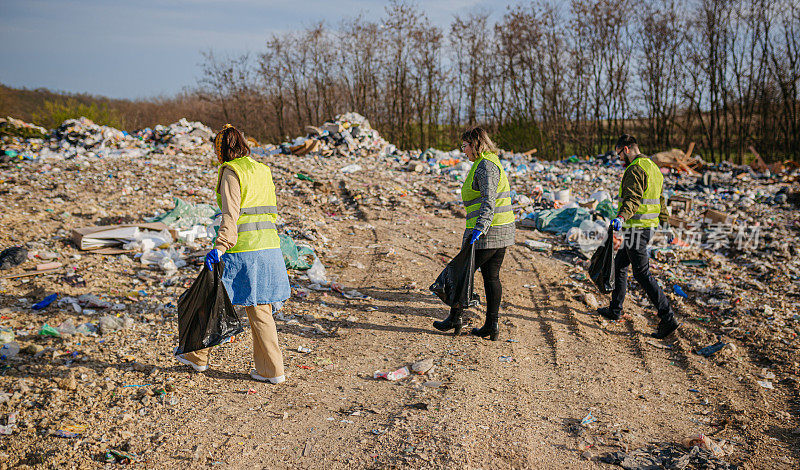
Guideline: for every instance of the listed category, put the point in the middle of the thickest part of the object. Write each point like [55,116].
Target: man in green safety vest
[641,209]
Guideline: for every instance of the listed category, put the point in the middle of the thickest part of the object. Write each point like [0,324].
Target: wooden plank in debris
[110,251]
[688,154]
[29,273]
[758,164]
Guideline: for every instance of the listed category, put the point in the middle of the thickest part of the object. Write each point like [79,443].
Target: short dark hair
[232,144]
[625,140]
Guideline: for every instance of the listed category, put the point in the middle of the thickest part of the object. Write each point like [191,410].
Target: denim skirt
[256,277]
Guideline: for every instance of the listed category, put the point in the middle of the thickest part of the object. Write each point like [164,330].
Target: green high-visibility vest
[256,224]
[647,214]
[472,199]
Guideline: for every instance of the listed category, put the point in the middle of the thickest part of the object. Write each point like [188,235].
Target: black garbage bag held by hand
[205,313]
[456,283]
[601,267]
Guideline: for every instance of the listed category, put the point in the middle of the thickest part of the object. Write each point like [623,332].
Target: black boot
[489,328]
[665,327]
[606,312]
[452,322]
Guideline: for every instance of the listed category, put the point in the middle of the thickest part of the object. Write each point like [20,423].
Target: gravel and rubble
[92,380]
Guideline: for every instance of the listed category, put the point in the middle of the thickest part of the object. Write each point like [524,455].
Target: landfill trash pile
[180,137]
[102,248]
[19,128]
[349,134]
[83,138]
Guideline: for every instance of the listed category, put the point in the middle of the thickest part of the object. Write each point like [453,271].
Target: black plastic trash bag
[601,268]
[205,313]
[13,256]
[456,284]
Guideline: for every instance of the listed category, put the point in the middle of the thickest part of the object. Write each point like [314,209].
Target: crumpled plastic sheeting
[560,220]
[295,257]
[186,215]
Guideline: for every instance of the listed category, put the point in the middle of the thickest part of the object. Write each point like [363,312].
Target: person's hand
[212,258]
[670,236]
[616,224]
[476,234]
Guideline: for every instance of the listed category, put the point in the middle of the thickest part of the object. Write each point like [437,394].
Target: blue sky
[144,48]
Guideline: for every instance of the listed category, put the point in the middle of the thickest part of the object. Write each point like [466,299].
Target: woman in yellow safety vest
[490,226]
[255,274]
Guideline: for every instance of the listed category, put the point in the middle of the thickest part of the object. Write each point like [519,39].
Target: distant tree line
[564,77]
[561,76]
[49,108]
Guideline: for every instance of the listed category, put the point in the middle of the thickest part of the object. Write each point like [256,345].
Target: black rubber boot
[605,312]
[665,327]
[452,322]
[489,329]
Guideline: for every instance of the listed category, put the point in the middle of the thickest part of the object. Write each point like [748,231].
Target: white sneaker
[194,366]
[273,380]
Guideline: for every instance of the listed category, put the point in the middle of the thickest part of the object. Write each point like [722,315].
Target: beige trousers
[266,353]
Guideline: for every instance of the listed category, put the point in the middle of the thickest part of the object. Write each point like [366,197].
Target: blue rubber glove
[476,234]
[212,258]
[616,224]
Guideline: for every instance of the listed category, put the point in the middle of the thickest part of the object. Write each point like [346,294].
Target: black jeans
[633,252]
[490,262]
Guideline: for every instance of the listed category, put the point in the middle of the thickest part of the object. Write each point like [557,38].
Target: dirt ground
[387,234]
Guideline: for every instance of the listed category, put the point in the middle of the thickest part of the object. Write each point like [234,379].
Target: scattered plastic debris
[398,374]
[588,419]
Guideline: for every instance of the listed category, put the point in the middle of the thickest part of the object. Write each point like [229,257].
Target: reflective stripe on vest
[646,215]
[473,199]
[497,210]
[259,210]
[479,200]
[250,226]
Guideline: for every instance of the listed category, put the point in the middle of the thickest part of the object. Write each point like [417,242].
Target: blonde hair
[479,140]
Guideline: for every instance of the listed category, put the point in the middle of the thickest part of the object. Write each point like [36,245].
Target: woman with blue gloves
[491,227]
[255,274]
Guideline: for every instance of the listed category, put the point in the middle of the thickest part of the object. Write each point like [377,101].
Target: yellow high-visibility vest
[472,199]
[647,214]
[259,209]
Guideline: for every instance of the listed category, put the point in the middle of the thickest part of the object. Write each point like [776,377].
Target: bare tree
[469,37]
[426,88]
[660,39]
[565,77]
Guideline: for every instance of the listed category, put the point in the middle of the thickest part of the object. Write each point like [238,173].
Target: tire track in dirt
[560,306]
[635,341]
[684,360]
[549,307]
[575,346]
[575,325]
[632,349]
[545,326]
[572,322]
[530,431]
[373,259]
